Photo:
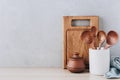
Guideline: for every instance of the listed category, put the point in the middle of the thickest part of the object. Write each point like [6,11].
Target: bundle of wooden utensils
[96,39]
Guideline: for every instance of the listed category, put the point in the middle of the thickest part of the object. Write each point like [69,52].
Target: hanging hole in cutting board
[80,22]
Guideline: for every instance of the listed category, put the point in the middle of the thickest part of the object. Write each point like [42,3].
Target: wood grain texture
[72,40]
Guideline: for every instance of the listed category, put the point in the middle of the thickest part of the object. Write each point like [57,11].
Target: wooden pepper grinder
[76,63]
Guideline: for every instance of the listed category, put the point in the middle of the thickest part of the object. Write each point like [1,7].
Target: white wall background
[31,30]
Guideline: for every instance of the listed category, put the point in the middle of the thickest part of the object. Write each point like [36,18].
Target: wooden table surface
[45,74]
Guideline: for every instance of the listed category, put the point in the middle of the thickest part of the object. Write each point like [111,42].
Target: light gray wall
[31,30]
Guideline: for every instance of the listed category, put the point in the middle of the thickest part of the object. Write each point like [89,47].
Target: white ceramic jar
[99,61]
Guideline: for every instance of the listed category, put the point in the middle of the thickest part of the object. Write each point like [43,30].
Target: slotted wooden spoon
[87,37]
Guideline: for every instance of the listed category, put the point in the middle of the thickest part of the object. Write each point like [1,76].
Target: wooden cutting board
[72,40]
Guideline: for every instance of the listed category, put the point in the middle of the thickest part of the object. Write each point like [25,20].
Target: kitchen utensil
[101,36]
[112,38]
[87,37]
[93,31]
[76,63]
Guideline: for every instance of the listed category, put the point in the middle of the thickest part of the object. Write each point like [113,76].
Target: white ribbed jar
[99,61]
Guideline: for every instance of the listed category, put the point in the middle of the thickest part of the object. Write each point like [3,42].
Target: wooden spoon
[93,31]
[101,36]
[87,37]
[112,38]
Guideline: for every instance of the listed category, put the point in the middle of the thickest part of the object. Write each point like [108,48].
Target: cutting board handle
[93,21]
